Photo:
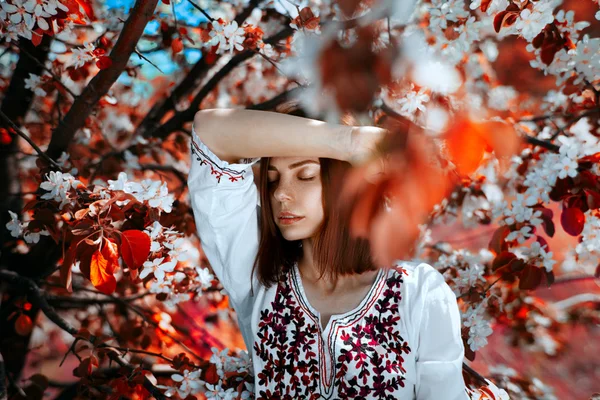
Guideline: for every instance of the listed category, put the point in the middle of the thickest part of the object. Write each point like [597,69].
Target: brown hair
[335,252]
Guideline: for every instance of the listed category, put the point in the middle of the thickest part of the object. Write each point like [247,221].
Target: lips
[289,221]
[288,214]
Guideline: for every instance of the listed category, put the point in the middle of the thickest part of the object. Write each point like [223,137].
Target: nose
[282,192]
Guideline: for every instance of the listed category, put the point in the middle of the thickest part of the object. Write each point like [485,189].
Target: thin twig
[574,121]
[197,7]
[140,55]
[56,78]
[46,157]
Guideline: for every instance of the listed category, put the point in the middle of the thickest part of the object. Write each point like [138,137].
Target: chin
[291,238]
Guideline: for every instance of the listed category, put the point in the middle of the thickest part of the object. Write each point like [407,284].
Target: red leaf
[531,277]
[65,269]
[467,141]
[572,221]
[101,273]
[84,253]
[547,54]
[516,265]
[110,252]
[548,277]
[593,199]
[547,223]
[543,243]
[498,19]
[210,374]
[23,325]
[177,45]
[104,62]
[87,7]
[105,42]
[135,248]
[497,243]
[484,5]
[5,137]
[36,38]
[502,259]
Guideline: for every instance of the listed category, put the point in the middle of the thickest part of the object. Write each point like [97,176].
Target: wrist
[343,143]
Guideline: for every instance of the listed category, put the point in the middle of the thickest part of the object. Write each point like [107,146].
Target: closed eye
[302,179]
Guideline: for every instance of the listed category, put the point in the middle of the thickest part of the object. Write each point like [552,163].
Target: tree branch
[152,119]
[3,388]
[12,125]
[139,16]
[37,296]
[177,121]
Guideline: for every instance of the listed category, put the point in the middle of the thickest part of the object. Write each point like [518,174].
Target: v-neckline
[335,317]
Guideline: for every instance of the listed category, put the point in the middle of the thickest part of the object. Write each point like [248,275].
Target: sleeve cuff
[221,169]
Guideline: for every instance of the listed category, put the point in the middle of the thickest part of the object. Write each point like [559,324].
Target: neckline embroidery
[334,318]
[361,356]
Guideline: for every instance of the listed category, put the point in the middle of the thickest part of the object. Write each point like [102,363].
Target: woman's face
[295,186]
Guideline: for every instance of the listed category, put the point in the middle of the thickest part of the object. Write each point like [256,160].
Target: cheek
[314,200]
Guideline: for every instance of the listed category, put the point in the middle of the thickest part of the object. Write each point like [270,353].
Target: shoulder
[422,283]
[416,273]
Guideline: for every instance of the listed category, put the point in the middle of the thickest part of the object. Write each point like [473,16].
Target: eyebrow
[296,164]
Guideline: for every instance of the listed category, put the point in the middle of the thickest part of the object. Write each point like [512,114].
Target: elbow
[203,121]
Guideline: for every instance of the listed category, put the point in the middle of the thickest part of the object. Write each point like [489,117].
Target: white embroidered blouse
[403,341]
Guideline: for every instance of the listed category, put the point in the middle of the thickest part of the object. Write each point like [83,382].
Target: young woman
[320,320]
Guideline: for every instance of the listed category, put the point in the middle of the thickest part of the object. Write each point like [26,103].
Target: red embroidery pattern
[364,348]
[201,156]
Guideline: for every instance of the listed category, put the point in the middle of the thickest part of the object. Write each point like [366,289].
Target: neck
[310,274]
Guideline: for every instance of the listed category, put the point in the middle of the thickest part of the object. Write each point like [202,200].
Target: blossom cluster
[154,193]
[168,252]
[22,17]
[190,383]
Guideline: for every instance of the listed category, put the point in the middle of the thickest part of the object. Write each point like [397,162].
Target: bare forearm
[238,133]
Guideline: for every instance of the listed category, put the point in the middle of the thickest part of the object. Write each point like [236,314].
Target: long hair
[335,252]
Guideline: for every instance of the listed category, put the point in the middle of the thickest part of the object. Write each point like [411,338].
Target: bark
[15,105]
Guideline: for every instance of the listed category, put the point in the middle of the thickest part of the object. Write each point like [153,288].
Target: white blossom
[131,160]
[538,255]
[443,11]
[205,278]
[33,83]
[501,97]
[229,36]
[479,327]
[158,268]
[123,184]
[155,193]
[493,7]
[59,184]
[521,235]
[14,226]
[82,55]
[589,246]
[34,237]
[412,102]
[531,22]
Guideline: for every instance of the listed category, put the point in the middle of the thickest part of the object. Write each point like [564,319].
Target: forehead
[284,163]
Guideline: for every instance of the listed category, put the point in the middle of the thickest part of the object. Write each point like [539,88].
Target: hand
[366,144]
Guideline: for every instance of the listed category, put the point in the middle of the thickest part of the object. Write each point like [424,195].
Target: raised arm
[235,134]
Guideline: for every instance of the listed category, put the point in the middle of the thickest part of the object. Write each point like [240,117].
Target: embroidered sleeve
[225,202]
[440,351]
